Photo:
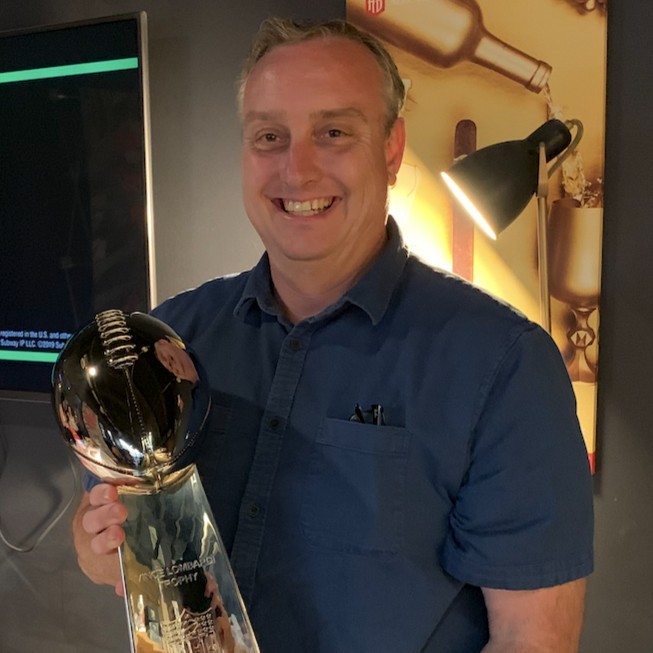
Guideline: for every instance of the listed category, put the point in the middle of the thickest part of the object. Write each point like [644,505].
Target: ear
[394,149]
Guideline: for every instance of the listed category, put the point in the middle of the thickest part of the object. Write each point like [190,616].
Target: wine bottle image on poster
[480,72]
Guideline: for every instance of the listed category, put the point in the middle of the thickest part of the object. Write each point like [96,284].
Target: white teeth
[307,207]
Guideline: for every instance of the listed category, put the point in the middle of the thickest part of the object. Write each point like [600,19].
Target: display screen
[73,188]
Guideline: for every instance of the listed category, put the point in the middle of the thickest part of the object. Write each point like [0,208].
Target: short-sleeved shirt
[372,467]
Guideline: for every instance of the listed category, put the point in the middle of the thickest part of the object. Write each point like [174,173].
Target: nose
[301,165]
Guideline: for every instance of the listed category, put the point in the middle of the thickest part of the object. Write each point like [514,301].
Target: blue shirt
[356,537]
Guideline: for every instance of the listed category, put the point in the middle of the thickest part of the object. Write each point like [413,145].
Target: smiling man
[318,157]
[393,456]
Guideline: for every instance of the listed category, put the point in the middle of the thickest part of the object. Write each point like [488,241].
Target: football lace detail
[116,337]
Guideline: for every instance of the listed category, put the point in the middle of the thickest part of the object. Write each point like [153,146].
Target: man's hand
[98,533]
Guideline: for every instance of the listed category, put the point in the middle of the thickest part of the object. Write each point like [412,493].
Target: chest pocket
[354,491]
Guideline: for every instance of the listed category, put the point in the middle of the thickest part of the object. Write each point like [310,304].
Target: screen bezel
[140,19]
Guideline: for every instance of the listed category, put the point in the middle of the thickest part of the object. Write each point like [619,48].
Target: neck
[306,288]
[304,295]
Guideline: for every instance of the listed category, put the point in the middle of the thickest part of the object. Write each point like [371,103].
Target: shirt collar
[374,290]
[258,288]
[372,293]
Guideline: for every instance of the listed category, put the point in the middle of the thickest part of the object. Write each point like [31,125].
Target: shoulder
[482,343]
[189,310]
[456,310]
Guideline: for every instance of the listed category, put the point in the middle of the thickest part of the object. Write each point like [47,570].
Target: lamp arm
[542,244]
[542,215]
[573,122]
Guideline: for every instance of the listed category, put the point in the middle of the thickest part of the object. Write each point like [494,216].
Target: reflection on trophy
[131,403]
[575,279]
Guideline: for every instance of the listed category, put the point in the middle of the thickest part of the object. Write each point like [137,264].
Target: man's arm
[97,534]
[545,620]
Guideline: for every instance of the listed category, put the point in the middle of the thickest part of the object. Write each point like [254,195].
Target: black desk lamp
[495,184]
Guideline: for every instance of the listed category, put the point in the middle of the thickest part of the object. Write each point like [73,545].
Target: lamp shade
[496,182]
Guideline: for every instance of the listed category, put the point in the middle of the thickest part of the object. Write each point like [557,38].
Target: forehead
[333,71]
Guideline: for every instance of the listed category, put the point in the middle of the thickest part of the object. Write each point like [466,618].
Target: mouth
[305,208]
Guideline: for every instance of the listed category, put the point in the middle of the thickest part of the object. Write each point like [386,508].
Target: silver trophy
[131,402]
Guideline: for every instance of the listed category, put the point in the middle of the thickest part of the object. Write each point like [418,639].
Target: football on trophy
[129,399]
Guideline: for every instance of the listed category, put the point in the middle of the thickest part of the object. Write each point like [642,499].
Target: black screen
[73,209]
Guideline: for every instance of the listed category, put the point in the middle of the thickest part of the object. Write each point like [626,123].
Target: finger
[120,588]
[102,494]
[96,520]
[108,541]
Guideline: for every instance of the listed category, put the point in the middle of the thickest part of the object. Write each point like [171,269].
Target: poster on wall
[480,72]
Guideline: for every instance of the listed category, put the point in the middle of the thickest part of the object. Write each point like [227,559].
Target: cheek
[370,177]
[256,174]
[245,171]
[249,183]
[255,205]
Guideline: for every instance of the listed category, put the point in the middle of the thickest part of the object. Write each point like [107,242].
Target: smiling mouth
[305,207]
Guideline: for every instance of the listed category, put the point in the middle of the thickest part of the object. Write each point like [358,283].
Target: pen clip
[373,416]
[377,415]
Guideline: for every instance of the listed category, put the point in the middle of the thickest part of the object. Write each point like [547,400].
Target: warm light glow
[402,194]
[468,205]
[92,371]
[420,206]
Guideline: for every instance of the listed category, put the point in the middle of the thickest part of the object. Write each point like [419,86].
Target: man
[393,456]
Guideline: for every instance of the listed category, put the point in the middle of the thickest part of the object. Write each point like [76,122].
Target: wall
[620,600]
[195,47]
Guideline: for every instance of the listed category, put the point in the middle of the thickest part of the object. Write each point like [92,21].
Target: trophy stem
[130,621]
[180,591]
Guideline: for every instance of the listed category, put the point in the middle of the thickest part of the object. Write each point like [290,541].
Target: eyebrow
[253,116]
[348,112]
[345,112]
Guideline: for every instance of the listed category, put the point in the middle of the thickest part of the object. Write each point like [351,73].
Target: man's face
[316,159]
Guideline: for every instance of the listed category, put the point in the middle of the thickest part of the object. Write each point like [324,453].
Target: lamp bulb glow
[469,206]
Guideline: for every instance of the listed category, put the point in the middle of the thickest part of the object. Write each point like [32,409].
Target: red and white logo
[374,7]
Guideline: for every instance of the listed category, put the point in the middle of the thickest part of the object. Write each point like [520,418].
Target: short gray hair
[284,31]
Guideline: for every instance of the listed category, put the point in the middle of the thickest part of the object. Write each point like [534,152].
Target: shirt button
[253,510]
[274,423]
[295,344]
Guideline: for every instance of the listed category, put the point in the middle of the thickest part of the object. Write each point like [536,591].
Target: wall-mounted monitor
[75,208]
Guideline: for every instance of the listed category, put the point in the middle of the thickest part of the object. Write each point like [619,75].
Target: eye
[334,135]
[267,139]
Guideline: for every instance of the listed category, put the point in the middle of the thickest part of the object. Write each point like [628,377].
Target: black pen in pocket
[358,415]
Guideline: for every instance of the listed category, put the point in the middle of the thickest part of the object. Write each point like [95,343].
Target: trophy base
[180,592]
